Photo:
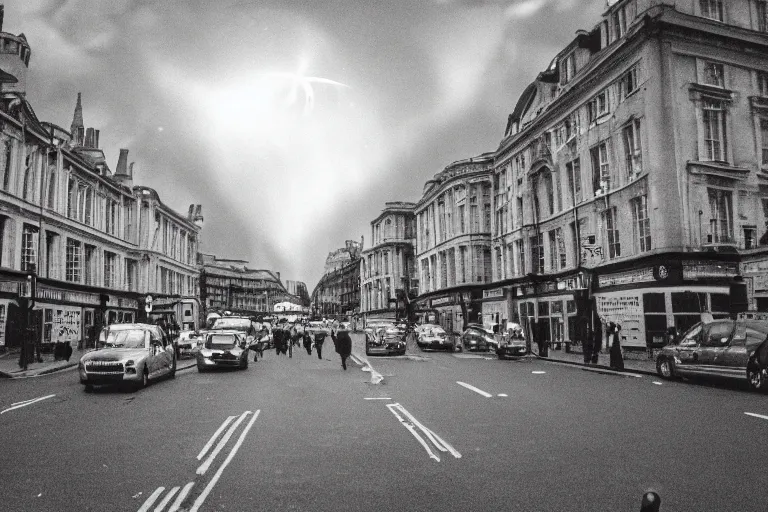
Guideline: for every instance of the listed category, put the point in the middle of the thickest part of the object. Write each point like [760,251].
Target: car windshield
[221,341]
[235,324]
[126,339]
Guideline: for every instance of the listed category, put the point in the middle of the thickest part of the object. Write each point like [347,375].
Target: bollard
[651,502]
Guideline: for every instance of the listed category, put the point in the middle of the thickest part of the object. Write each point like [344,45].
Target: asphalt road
[305,435]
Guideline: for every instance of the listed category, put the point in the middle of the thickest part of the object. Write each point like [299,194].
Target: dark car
[477,338]
[435,337]
[384,341]
[512,344]
[223,349]
[721,348]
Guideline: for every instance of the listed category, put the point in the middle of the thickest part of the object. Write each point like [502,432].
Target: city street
[302,434]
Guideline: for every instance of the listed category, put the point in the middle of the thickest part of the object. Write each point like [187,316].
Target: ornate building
[388,267]
[453,249]
[75,247]
[633,168]
[337,295]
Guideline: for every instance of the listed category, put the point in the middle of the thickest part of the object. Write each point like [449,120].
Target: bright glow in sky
[291,122]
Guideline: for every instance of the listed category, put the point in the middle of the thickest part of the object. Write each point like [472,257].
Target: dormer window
[762,15]
[568,68]
[619,23]
[713,73]
[712,9]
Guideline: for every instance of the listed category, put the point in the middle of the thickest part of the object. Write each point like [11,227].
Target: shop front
[447,312]
[648,299]
[755,272]
[495,309]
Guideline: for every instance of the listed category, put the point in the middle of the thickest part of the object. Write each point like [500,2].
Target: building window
[628,83]
[712,9]
[619,23]
[51,260]
[537,254]
[573,170]
[29,248]
[762,12]
[550,191]
[641,223]
[764,238]
[598,106]
[89,269]
[632,155]
[110,267]
[762,83]
[29,177]
[71,197]
[52,190]
[612,230]
[601,170]
[713,117]
[721,215]
[552,250]
[73,261]
[8,154]
[764,141]
[568,69]
[714,74]
[750,237]
[130,275]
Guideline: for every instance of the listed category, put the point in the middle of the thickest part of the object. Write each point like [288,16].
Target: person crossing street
[343,344]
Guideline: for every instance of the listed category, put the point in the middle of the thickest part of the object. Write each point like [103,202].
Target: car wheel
[756,377]
[89,388]
[665,367]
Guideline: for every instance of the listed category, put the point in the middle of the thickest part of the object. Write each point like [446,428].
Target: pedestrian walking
[343,345]
[307,337]
[617,359]
[320,335]
[597,341]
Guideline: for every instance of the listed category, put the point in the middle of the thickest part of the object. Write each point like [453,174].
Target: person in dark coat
[307,340]
[597,341]
[343,345]
[617,360]
[319,339]
[277,336]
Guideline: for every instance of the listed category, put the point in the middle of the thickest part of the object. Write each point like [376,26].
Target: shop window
[721,304]
[687,308]
[48,325]
[655,311]
[570,306]
[544,308]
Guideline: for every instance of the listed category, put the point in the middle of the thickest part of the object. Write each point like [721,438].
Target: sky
[290,122]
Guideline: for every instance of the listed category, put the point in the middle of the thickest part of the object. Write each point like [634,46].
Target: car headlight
[205,353]
[130,362]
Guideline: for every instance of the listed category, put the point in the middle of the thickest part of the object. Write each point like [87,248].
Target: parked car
[223,349]
[477,338]
[723,348]
[435,337]
[513,342]
[384,341]
[130,353]
[188,341]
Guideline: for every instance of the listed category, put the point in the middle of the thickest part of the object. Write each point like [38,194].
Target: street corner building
[388,273]
[80,245]
[337,294]
[630,186]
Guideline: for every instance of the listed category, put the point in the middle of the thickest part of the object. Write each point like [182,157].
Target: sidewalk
[637,362]
[9,365]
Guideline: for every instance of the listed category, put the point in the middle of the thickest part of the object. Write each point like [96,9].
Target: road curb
[597,366]
[35,373]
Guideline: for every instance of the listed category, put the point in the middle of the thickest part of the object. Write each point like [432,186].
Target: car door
[161,362]
[713,345]
[686,356]
[736,355]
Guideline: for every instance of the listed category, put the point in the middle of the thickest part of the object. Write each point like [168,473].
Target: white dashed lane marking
[761,416]
[473,388]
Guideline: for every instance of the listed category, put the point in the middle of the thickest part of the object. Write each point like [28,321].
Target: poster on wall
[65,325]
[626,310]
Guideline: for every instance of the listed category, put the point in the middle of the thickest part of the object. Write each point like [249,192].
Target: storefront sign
[698,270]
[626,310]
[164,302]
[496,292]
[64,324]
[9,286]
[442,301]
[631,276]
[64,296]
[122,302]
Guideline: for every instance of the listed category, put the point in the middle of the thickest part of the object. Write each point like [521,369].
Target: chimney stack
[130,170]
[96,139]
[2,15]
[122,163]
[88,138]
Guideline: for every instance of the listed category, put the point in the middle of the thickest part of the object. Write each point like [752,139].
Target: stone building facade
[632,172]
[388,270]
[337,294]
[453,242]
[75,249]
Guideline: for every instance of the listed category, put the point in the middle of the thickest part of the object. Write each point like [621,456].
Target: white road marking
[19,405]
[473,388]
[152,497]
[180,498]
[658,383]
[377,398]
[436,440]
[412,430]
[761,416]
[606,371]
[214,437]
[538,372]
[202,469]
[201,499]
[168,497]
[502,394]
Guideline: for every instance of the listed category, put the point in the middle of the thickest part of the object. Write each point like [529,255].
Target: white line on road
[214,437]
[502,394]
[606,371]
[152,497]
[761,416]
[378,398]
[202,469]
[168,497]
[538,372]
[436,440]
[658,383]
[473,388]
[201,499]
[19,405]
[412,430]
[180,497]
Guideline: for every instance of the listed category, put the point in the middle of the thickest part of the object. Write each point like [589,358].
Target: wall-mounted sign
[496,292]
[699,270]
[630,276]
[442,301]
